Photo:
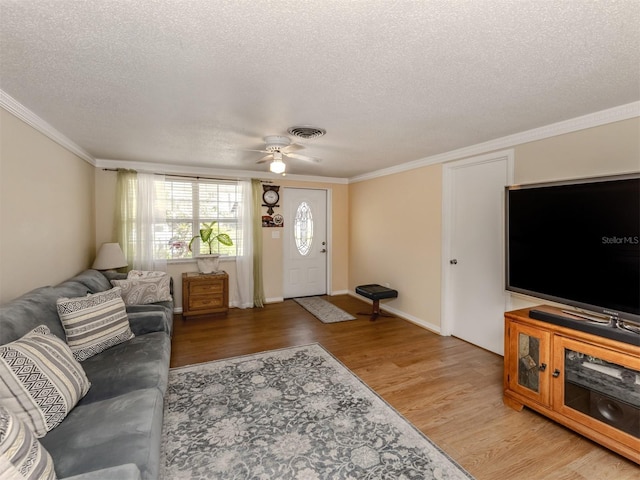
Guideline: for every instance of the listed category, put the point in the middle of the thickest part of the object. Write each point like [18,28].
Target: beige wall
[385,230]
[46,210]
[606,150]
[105,182]
[395,227]
[395,239]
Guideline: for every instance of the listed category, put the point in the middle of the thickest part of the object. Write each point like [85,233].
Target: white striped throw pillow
[95,322]
[40,381]
[21,454]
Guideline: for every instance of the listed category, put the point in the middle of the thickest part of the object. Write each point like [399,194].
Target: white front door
[474,297]
[305,242]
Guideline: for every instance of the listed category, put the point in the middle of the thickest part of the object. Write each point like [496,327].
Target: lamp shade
[109,257]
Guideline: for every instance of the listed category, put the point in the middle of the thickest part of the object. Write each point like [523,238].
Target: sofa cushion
[37,307]
[94,280]
[128,471]
[40,380]
[142,362]
[21,454]
[144,290]
[94,323]
[104,434]
[149,318]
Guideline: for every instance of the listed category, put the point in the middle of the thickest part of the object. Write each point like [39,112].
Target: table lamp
[109,257]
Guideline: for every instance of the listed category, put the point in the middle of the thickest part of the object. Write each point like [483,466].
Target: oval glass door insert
[303,229]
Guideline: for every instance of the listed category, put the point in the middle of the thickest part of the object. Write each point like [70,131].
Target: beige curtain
[125,213]
[140,209]
[258,285]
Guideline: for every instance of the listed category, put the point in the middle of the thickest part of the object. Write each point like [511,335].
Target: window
[189,203]
[303,229]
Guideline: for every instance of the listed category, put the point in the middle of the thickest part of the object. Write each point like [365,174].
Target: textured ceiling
[198,82]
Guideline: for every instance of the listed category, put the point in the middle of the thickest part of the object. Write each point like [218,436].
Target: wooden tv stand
[583,381]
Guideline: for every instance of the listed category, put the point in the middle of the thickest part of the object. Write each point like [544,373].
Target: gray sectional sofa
[115,430]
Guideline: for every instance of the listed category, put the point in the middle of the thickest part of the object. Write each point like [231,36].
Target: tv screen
[577,243]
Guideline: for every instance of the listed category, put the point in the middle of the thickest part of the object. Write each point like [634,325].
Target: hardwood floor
[449,389]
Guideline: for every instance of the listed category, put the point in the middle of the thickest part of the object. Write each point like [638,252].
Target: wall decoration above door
[270,197]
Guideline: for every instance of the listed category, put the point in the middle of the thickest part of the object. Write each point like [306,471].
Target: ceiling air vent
[306,132]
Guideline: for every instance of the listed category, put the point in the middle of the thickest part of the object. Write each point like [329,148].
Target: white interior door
[473,262]
[305,242]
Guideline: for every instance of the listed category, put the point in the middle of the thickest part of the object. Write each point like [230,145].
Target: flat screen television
[577,243]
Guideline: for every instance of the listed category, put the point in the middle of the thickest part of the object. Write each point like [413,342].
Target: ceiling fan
[277,147]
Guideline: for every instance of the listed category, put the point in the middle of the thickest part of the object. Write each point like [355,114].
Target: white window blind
[190,202]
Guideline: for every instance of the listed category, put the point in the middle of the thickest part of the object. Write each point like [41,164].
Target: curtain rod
[183,176]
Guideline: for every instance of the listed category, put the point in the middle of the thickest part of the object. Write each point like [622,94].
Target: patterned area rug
[291,414]
[324,311]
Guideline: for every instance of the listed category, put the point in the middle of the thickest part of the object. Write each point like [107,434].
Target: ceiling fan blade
[292,147]
[252,150]
[297,156]
[266,158]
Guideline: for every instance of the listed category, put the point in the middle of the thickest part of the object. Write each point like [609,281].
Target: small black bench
[376,293]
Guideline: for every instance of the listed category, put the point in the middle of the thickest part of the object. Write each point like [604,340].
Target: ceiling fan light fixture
[277,166]
[275,143]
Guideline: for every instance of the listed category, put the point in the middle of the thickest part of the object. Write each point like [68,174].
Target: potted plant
[208,263]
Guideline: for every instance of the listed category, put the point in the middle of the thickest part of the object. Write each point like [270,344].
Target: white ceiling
[196,83]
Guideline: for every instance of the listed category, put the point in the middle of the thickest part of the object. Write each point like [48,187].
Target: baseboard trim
[339,292]
[274,300]
[403,315]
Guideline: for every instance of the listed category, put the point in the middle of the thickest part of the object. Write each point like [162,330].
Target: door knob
[453,261]
[324,250]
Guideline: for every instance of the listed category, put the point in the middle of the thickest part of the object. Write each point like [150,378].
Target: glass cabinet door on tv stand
[529,375]
[598,385]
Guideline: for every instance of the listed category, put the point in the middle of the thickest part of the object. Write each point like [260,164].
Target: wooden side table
[205,293]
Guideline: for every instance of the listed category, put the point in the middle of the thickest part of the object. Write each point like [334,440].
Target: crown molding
[14,107]
[603,117]
[173,169]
